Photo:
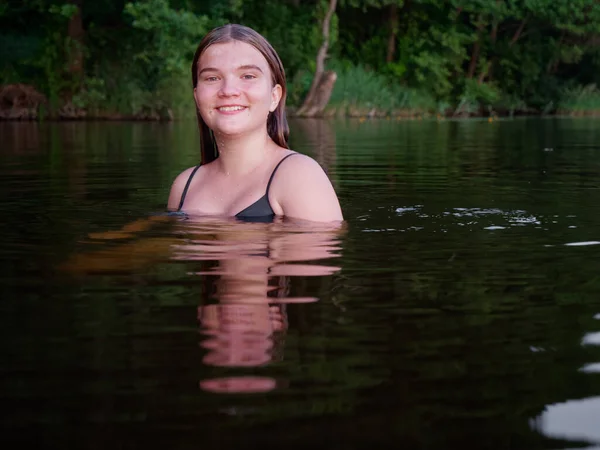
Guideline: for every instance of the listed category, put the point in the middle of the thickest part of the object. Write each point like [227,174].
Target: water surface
[461,306]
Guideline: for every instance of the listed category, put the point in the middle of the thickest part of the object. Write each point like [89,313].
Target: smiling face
[235,92]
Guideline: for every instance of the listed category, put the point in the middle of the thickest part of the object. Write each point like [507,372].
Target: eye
[248,76]
[211,78]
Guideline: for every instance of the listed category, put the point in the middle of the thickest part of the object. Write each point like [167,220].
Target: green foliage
[14,51]
[171,37]
[292,31]
[468,55]
[436,57]
[476,96]
[55,50]
[161,42]
[395,69]
[364,4]
[92,96]
[298,87]
[65,10]
[358,87]
[580,99]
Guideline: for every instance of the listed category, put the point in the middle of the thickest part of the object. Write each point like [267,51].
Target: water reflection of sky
[575,419]
[572,420]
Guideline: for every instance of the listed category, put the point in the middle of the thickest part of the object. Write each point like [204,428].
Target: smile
[230,108]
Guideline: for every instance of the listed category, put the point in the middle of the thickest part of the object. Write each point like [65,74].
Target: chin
[230,131]
[235,129]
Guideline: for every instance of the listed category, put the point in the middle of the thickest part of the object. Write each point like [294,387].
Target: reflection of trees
[482,335]
[474,359]
[20,138]
[424,339]
[317,138]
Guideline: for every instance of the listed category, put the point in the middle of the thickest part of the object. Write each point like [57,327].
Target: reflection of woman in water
[247,324]
[245,332]
[247,169]
[247,268]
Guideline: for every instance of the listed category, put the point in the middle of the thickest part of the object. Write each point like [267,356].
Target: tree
[76,35]
[322,85]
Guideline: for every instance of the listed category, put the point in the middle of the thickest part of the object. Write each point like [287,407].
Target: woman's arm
[177,189]
[302,190]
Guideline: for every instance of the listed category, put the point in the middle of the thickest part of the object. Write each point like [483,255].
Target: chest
[223,195]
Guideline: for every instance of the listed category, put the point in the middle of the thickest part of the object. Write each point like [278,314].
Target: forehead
[231,55]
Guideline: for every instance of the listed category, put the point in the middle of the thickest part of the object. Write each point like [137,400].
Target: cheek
[202,95]
[206,95]
[204,102]
[260,94]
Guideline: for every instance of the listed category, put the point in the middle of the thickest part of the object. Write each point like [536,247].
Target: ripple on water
[490,219]
[582,244]
[486,218]
[572,420]
[591,339]
[591,368]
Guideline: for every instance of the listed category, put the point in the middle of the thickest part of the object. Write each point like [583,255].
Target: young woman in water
[247,170]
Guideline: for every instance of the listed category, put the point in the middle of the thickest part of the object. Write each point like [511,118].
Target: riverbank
[21,102]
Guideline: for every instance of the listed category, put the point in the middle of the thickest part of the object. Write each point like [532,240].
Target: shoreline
[439,118]
[23,103]
[330,113]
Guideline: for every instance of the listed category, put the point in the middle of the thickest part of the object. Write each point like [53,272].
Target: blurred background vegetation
[130,59]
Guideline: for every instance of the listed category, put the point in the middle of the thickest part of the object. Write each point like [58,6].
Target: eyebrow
[244,67]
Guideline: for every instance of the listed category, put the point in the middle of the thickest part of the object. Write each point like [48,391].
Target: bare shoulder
[303,190]
[303,163]
[178,186]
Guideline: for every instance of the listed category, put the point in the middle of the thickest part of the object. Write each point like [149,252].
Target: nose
[229,87]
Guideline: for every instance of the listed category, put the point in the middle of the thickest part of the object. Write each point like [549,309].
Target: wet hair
[277,126]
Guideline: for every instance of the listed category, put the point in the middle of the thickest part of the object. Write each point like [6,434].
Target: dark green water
[461,308]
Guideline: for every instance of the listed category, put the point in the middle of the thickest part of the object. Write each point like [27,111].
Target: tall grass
[580,100]
[361,89]
[105,97]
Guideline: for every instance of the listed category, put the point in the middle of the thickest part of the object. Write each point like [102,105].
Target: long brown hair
[277,126]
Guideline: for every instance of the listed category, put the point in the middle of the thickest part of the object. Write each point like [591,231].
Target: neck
[239,155]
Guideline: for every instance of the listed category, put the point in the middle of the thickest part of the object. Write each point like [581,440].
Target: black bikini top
[260,209]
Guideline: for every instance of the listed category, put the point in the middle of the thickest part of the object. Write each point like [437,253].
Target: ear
[276,93]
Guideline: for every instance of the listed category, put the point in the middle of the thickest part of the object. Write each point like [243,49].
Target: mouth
[230,108]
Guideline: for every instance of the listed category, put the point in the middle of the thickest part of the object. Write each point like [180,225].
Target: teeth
[231,108]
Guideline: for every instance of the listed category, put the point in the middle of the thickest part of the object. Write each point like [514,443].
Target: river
[460,307]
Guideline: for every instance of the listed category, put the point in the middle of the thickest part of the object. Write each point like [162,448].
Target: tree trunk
[518,33]
[476,50]
[391,46]
[488,73]
[493,38]
[322,84]
[77,34]
[474,59]
[552,65]
[74,67]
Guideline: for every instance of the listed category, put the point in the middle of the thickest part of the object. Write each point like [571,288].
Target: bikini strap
[187,185]
[275,170]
